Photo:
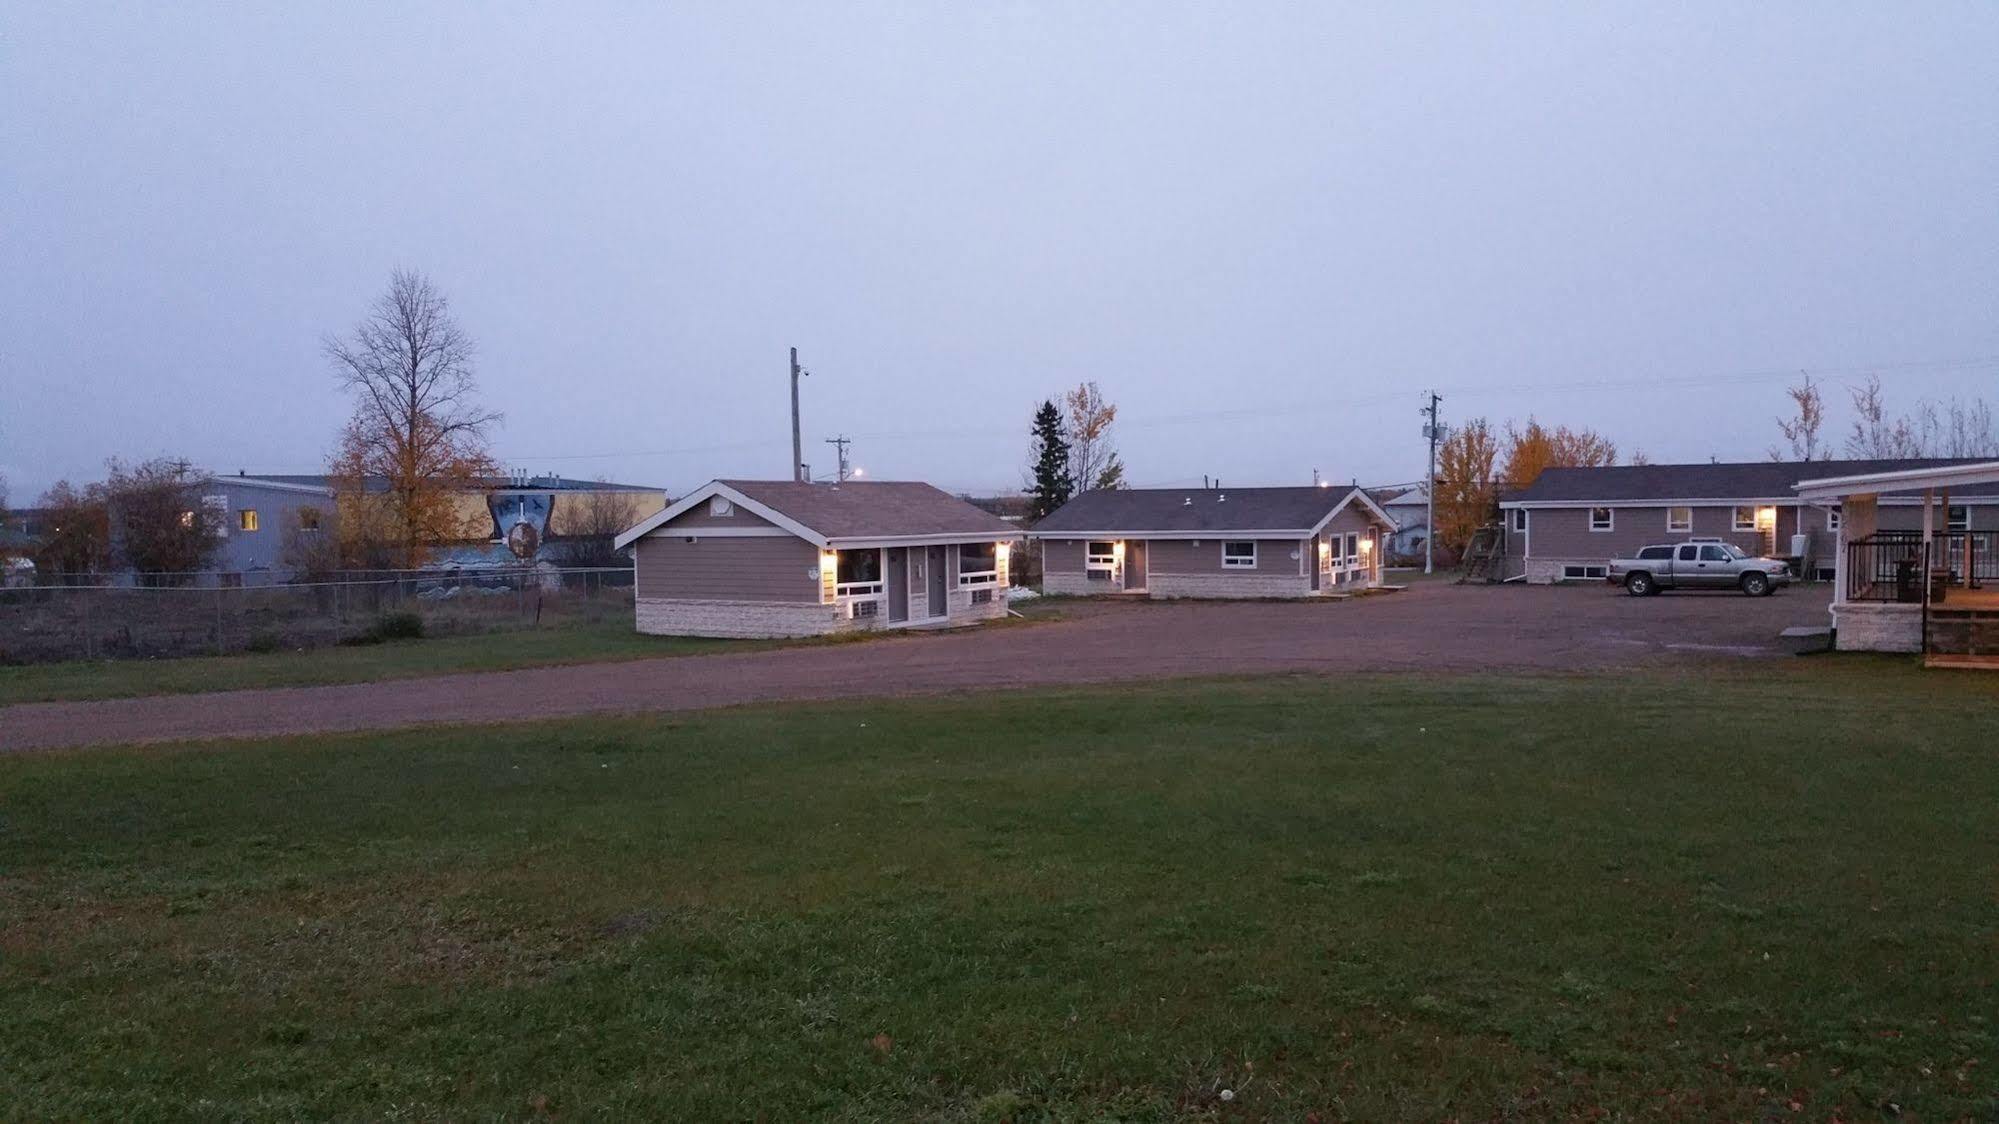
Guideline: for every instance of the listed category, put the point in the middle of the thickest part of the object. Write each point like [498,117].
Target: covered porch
[1934,589]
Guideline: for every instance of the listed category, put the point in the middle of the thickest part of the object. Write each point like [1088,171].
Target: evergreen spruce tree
[1052,483]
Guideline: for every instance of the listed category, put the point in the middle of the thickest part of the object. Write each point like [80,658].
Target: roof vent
[1187,501]
[1223,498]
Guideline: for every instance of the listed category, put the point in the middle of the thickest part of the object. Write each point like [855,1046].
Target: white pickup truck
[1698,564]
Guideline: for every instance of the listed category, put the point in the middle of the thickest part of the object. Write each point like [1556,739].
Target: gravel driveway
[1430,627]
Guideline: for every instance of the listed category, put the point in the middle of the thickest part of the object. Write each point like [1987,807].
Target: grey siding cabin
[1570,522]
[761,558]
[1214,542]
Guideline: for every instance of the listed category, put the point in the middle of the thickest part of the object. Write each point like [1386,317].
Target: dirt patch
[1429,627]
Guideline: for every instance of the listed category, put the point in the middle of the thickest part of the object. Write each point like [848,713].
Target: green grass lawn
[1729,896]
[493,651]
[567,643]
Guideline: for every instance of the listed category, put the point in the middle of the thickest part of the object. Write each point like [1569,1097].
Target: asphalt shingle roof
[868,509]
[1749,480]
[1138,510]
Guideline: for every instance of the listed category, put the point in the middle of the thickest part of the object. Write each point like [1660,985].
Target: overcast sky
[1264,230]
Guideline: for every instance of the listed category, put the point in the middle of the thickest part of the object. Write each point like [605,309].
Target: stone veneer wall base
[1878,628]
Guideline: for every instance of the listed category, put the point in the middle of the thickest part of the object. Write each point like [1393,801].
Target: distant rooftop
[504,483]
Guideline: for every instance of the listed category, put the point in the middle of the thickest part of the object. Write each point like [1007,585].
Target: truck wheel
[1756,585]
[1640,585]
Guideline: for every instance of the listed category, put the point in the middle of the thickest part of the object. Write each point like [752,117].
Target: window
[1690,553]
[1099,560]
[1601,519]
[978,563]
[720,506]
[1239,555]
[1832,519]
[1353,549]
[1713,554]
[982,596]
[859,573]
[1745,519]
[1679,519]
[246,519]
[1827,573]
[869,608]
[308,519]
[1336,558]
[1519,520]
[1583,573]
[1656,554]
[1957,518]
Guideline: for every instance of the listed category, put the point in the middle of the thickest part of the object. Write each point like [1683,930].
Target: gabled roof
[1163,512]
[1657,483]
[856,513]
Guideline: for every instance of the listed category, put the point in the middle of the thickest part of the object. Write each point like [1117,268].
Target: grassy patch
[389,659]
[1372,898]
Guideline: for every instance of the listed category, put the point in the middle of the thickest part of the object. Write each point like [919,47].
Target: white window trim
[1673,527]
[1949,525]
[863,590]
[977,579]
[1353,550]
[1105,562]
[1735,517]
[1237,563]
[1610,519]
[1584,575]
[1519,520]
[1832,517]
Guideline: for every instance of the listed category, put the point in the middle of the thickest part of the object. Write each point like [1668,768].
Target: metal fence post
[89,642]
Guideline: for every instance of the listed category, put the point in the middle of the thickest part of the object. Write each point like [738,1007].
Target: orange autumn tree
[1465,489]
[1535,447]
[416,445]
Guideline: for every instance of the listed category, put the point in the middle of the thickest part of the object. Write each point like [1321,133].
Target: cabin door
[933,566]
[1134,565]
[898,584]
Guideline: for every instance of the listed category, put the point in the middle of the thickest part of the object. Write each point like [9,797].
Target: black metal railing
[1885,566]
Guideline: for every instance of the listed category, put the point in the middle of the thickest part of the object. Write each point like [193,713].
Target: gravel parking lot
[1431,626]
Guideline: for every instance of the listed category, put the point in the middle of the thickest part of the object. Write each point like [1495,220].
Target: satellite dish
[523,540]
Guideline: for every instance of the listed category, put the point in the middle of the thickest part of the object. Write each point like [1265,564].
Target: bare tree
[1093,460]
[1965,429]
[1874,435]
[1801,430]
[416,428]
[585,525]
[76,541]
[160,519]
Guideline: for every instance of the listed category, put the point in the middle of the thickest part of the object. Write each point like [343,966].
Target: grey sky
[1307,214]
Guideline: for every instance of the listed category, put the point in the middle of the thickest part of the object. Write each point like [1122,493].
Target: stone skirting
[1229,585]
[1868,627]
[1075,585]
[767,620]
[740,619]
[1547,571]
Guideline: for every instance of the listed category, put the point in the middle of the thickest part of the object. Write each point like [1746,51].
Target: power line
[1342,405]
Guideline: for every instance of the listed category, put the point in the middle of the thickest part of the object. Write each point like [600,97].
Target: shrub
[390,626]
[265,641]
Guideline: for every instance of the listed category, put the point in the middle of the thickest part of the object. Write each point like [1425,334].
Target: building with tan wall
[1214,542]
[763,558]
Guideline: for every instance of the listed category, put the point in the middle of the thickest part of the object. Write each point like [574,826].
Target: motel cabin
[1214,542]
[763,558]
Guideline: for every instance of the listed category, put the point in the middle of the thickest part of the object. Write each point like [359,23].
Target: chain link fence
[164,616]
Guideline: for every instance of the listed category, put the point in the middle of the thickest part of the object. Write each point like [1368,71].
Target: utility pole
[1431,432]
[841,442]
[797,450]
